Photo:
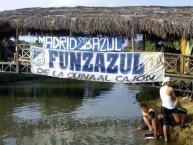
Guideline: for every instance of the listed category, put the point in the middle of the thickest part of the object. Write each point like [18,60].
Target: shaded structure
[160,22]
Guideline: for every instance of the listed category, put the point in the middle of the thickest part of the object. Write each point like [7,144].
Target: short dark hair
[143,105]
[152,114]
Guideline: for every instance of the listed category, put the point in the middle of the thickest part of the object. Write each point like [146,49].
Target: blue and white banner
[122,67]
[82,43]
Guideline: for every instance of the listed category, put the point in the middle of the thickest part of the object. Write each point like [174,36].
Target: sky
[18,4]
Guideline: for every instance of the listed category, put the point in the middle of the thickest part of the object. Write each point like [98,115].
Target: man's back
[167,97]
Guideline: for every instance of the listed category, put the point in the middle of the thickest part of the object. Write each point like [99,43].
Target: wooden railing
[8,67]
[22,65]
[180,69]
[24,53]
[182,77]
[174,67]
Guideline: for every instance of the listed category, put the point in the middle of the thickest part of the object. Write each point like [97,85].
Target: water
[69,112]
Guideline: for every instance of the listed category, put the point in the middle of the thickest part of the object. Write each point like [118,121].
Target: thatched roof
[159,21]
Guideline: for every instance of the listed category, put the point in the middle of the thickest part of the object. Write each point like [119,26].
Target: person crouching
[155,125]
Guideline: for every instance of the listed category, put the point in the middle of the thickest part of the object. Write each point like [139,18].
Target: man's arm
[173,94]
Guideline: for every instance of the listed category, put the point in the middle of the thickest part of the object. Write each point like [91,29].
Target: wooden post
[143,42]
[183,52]
[17,49]
[132,43]
[72,25]
[1,39]
[70,33]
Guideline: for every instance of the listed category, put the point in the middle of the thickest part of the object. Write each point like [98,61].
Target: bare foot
[166,140]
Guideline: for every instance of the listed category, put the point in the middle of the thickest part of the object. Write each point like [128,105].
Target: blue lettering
[52,55]
[138,68]
[99,63]
[125,64]
[112,68]
[75,61]
[87,66]
[63,56]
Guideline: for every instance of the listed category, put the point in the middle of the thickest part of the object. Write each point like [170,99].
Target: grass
[184,136]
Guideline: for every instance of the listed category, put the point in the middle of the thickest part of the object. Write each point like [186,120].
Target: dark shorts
[180,110]
[167,116]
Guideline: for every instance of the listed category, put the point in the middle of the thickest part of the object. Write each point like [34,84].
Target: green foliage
[5,50]
[150,46]
[127,49]
[171,46]
[36,42]
[177,45]
[24,42]
[4,44]
[147,94]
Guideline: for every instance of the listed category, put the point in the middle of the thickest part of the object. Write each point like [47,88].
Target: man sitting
[145,110]
[156,127]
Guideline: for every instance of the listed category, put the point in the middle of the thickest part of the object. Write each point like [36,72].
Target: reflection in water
[29,111]
[114,102]
[68,112]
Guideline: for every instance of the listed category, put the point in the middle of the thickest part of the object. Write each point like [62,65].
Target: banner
[82,43]
[122,67]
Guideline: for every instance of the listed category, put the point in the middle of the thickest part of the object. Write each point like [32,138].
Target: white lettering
[102,47]
[116,45]
[48,42]
[110,48]
[56,43]
[63,41]
[42,41]
[96,43]
[81,43]
[74,42]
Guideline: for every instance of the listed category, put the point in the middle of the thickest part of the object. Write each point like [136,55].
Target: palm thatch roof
[160,21]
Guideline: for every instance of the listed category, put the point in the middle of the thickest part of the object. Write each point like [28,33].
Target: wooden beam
[17,49]
[72,25]
[143,42]
[132,43]
[183,52]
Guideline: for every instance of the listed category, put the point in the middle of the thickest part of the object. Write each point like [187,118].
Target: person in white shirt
[168,109]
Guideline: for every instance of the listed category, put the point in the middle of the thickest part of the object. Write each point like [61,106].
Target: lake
[54,111]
